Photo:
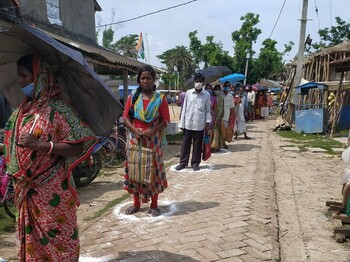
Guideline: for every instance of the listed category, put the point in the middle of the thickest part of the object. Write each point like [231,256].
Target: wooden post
[335,108]
[125,85]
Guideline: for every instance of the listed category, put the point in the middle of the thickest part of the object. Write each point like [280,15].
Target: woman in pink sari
[44,141]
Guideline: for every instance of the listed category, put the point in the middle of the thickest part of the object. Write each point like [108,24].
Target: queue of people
[45,139]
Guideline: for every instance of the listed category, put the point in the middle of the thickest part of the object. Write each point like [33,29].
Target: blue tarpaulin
[130,88]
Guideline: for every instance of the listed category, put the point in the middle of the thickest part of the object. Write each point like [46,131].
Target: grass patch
[107,207]
[173,138]
[304,141]
[7,224]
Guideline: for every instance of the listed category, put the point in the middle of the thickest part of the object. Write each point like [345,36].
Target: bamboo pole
[335,109]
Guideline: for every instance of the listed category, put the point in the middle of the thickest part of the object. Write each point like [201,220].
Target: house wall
[78,18]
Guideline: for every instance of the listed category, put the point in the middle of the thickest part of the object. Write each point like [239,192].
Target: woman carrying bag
[146,116]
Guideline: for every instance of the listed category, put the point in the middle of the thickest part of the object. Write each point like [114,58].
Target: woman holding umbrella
[146,116]
[44,141]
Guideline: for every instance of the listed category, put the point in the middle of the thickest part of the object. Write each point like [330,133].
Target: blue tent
[130,88]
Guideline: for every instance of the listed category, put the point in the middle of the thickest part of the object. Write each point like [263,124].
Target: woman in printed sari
[44,141]
[219,111]
[146,115]
[213,104]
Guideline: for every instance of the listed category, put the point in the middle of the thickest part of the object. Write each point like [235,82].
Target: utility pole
[246,67]
[299,68]
[149,60]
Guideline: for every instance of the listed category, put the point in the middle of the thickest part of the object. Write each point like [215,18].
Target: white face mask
[198,85]
[216,92]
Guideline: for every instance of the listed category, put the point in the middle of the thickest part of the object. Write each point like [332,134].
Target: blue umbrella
[232,78]
[96,104]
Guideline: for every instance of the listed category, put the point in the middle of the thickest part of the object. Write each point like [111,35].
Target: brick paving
[224,212]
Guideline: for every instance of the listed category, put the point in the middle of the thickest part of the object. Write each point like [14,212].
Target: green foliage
[127,46]
[211,53]
[7,224]
[178,60]
[332,36]
[269,61]
[107,38]
[243,40]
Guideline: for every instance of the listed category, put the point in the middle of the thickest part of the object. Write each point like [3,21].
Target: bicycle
[114,155]
[7,191]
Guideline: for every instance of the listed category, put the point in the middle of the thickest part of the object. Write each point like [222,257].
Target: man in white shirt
[251,103]
[229,108]
[195,119]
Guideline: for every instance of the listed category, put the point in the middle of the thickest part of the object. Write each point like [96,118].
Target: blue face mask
[226,89]
[28,90]
[209,91]
[232,93]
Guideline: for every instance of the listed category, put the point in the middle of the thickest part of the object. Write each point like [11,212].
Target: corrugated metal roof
[104,57]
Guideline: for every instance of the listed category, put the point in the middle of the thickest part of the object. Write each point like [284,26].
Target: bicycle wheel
[86,172]
[117,157]
[9,205]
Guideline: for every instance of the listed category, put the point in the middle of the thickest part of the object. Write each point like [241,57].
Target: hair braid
[133,101]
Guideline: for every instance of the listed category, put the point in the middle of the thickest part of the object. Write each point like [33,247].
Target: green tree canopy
[243,40]
[127,46]
[107,38]
[178,60]
[210,53]
[333,36]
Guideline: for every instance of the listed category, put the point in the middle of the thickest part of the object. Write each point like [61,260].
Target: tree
[269,62]
[243,40]
[178,60]
[107,38]
[127,46]
[332,36]
[211,53]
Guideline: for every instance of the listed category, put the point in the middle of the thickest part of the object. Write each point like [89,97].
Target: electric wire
[279,15]
[148,14]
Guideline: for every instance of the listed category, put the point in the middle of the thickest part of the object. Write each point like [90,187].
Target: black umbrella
[92,99]
[211,74]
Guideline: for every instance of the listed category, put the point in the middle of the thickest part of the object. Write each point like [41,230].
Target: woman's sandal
[131,210]
[154,211]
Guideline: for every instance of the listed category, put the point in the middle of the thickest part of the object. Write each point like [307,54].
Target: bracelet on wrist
[51,148]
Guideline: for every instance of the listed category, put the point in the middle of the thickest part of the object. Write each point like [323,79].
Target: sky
[219,18]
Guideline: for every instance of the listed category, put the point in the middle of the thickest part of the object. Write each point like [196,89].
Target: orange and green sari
[44,190]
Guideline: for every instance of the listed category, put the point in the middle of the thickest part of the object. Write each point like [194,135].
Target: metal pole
[149,60]
[246,68]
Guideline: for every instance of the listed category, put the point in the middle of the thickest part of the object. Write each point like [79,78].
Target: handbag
[141,167]
[206,147]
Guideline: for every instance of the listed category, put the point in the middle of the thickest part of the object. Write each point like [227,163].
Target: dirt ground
[303,182]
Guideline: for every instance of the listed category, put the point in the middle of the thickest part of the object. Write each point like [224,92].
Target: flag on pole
[140,48]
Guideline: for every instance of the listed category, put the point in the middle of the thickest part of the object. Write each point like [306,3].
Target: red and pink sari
[44,190]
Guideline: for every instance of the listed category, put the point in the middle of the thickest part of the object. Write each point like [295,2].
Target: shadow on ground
[152,255]
[186,207]
[241,147]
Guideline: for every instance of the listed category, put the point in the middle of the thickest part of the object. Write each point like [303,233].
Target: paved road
[224,212]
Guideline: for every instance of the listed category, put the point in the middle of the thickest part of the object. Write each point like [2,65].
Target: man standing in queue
[195,120]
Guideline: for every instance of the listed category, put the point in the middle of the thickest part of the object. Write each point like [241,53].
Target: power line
[273,29]
[152,13]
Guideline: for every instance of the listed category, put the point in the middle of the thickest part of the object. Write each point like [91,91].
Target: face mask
[232,93]
[28,90]
[209,91]
[226,89]
[198,85]
[216,92]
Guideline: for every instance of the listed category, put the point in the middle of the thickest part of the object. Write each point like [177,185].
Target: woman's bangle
[51,148]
